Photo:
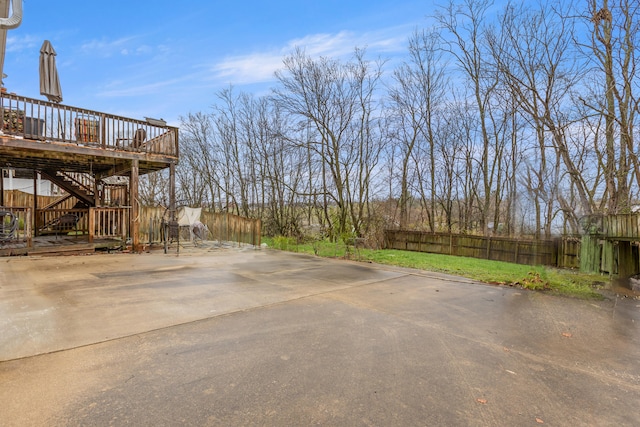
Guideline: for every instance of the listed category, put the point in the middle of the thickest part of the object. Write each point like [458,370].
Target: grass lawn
[557,281]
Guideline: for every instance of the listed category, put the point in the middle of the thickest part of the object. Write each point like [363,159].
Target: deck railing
[62,221]
[50,122]
[96,223]
[109,223]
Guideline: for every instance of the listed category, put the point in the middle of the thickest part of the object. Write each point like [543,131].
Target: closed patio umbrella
[49,81]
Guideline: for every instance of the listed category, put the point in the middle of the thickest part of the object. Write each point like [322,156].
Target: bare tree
[480,119]
[450,163]
[465,41]
[533,52]
[367,140]
[335,99]
[154,189]
[283,166]
[613,45]
[416,99]
[198,179]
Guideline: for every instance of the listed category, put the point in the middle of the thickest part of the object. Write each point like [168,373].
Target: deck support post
[92,224]
[134,220]
[97,194]
[35,202]
[172,191]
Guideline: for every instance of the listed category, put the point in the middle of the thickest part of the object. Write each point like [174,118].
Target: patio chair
[66,223]
[133,143]
[86,130]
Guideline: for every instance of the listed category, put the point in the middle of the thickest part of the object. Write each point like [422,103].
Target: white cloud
[190,83]
[343,43]
[253,68]
[20,43]
[137,90]
[124,46]
[334,45]
[260,67]
[104,47]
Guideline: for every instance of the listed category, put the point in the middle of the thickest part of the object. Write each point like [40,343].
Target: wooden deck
[60,245]
[38,134]
[82,152]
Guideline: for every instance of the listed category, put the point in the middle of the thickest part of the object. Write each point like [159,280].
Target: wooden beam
[172,191]
[31,154]
[119,170]
[92,224]
[35,202]
[134,220]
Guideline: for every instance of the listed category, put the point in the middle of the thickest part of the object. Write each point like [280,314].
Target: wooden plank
[77,249]
[92,224]
[35,199]
[21,153]
[134,220]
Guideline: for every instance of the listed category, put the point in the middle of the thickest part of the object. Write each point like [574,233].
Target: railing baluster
[51,122]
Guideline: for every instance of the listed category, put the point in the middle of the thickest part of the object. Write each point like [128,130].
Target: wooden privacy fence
[222,226]
[232,228]
[151,224]
[17,198]
[561,252]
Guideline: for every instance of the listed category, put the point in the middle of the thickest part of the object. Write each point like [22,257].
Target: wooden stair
[81,191]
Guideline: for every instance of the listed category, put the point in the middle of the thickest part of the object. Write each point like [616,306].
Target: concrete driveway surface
[260,337]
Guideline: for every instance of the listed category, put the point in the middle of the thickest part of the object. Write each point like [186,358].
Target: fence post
[488,247]
[27,228]
[151,221]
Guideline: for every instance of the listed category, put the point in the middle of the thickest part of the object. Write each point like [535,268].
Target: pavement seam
[203,319]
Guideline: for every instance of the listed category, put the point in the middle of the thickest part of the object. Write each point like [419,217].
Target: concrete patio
[260,337]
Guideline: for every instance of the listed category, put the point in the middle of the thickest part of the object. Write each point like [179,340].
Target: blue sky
[165,59]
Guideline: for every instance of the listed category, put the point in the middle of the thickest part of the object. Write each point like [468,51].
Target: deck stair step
[73,184]
[58,201]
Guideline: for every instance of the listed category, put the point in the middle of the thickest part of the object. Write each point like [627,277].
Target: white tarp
[188,216]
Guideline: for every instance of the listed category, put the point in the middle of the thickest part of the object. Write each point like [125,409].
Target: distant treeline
[519,121]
